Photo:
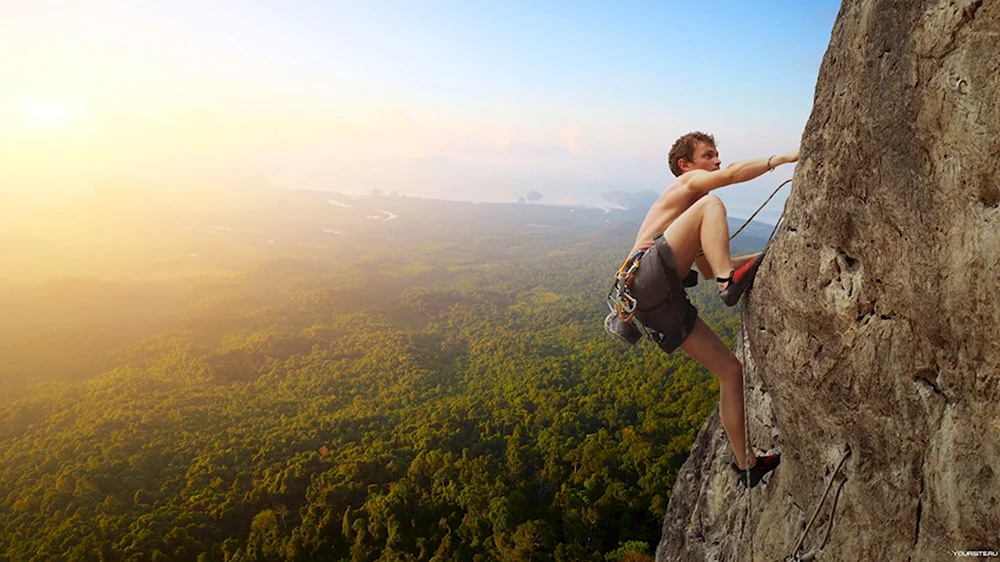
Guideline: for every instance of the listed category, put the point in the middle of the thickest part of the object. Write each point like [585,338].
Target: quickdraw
[620,301]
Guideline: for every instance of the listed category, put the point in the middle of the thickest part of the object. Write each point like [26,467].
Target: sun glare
[47,114]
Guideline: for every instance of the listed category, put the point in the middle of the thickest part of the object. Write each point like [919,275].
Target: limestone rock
[709,517]
[875,318]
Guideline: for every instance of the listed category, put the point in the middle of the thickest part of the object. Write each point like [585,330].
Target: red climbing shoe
[764,465]
[739,281]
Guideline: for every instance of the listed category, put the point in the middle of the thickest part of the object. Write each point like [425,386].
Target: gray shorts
[661,303]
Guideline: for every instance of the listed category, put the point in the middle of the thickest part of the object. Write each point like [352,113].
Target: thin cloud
[572,139]
[397,117]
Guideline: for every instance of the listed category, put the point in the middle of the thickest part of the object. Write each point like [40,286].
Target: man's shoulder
[678,189]
[677,197]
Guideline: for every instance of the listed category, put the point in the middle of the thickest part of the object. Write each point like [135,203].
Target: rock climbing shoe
[739,281]
[756,473]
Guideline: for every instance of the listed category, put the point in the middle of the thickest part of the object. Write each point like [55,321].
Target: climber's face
[706,157]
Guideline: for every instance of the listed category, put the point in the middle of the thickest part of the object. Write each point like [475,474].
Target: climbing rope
[796,556]
[743,360]
[746,423]
[773,193]
[759,209]
[833,509]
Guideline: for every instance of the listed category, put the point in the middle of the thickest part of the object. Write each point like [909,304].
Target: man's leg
[702,227]
[705,347]
[704,268]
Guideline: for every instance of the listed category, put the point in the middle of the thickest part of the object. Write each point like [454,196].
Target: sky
[467,100]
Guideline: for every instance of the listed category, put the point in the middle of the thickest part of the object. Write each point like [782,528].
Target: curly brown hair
[684,148]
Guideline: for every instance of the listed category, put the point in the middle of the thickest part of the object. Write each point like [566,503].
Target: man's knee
[712,202]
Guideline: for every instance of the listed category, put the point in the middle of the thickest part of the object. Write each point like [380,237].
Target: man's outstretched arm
[702,181]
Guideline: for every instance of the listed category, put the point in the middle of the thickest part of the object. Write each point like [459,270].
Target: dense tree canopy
[416,408]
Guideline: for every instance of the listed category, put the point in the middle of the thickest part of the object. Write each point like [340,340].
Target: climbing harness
[647,299]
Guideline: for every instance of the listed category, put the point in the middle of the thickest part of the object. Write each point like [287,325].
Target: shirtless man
[694,221]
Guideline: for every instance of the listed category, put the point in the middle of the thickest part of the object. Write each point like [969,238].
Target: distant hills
[162,235]
[628,200]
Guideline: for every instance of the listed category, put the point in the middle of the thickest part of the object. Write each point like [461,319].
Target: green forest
[449,398]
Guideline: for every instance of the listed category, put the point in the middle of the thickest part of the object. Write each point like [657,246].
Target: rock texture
[709,517]
[875,319]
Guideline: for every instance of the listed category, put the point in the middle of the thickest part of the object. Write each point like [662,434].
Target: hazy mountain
[631,200]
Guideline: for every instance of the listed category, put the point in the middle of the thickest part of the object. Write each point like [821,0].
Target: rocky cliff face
[875,319]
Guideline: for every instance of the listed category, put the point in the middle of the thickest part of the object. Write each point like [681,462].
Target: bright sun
[47,114]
